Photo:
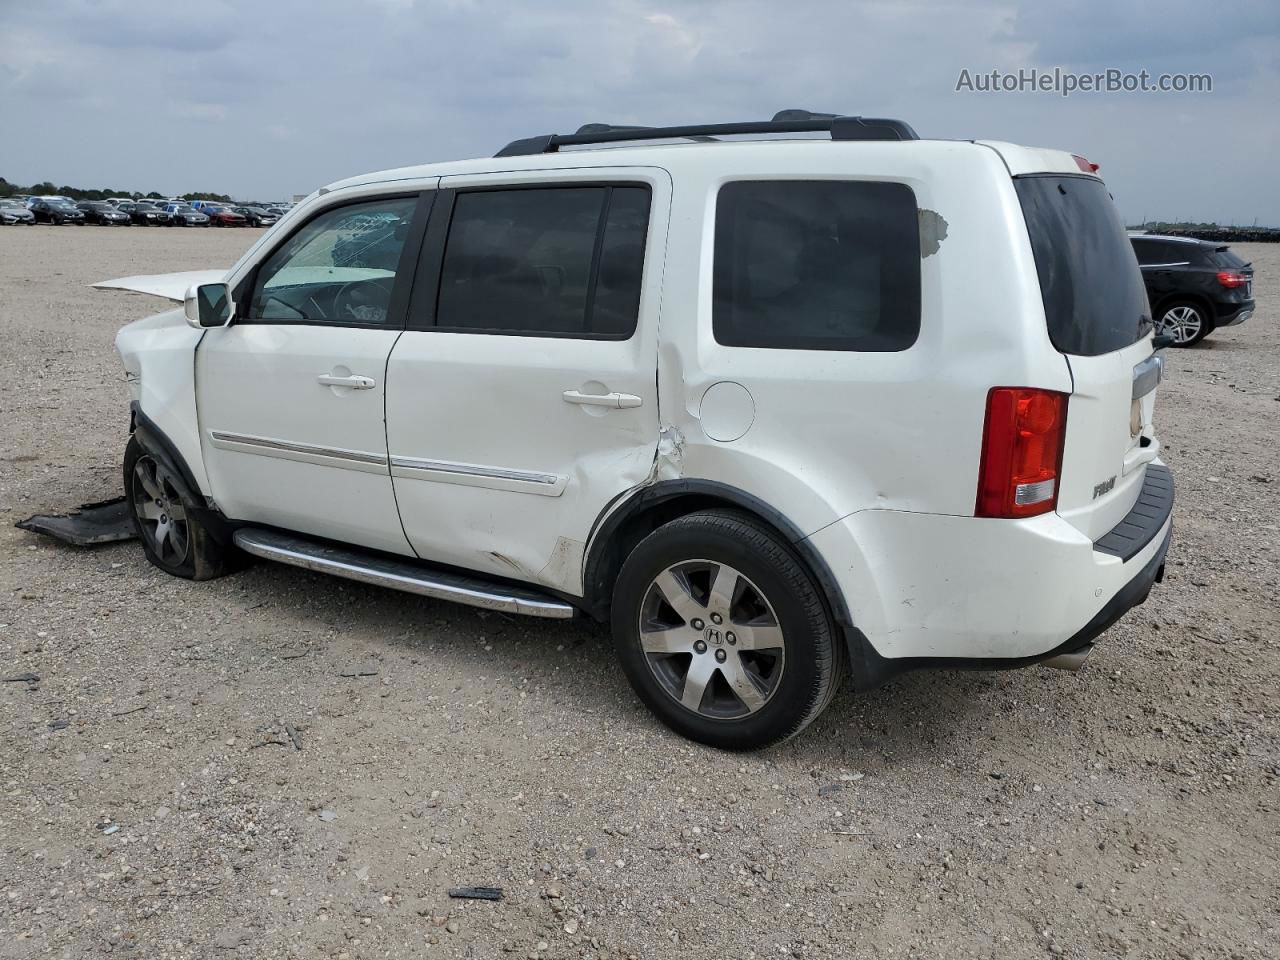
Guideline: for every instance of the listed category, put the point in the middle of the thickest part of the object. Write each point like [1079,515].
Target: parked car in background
[56,212]
[1195,286]
[182,215]
[116,201]
[13,212]
[146,214]
[452,380]
[257,216]
[101,212]
[221,215]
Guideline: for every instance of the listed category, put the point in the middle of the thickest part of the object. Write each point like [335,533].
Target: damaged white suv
[829,400]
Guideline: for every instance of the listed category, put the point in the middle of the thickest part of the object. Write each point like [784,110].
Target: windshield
[1094,298]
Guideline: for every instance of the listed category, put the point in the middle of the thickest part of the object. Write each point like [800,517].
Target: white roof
[725,154]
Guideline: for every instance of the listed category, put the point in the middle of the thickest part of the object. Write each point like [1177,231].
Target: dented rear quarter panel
[838,432]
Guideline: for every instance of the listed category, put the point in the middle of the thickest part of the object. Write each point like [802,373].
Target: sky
[264,99]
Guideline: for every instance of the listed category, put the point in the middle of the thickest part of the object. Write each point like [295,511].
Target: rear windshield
[1223,257]
[1094,299]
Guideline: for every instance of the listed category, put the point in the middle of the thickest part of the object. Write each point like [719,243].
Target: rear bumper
[1230,314]
[929,590]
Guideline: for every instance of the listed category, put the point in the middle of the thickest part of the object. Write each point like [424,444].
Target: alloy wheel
[1182,322]
[160,511]
[712,639]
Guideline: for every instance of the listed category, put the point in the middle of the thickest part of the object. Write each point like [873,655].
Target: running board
[398,574]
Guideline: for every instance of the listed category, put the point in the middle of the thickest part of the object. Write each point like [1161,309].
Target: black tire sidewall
[195,533]
[795,600]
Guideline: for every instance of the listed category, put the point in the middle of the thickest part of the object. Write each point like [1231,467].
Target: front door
[523,397]
[290,395]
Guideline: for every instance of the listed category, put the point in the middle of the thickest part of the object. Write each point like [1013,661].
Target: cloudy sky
[268,98]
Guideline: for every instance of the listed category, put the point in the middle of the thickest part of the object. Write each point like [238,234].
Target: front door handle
[619,401]
[352,383]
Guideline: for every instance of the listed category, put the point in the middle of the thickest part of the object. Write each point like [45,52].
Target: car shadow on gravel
[907,719]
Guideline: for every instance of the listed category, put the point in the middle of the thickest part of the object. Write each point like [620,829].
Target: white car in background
[778,410]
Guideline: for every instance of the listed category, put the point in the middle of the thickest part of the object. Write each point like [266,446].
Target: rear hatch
[1234,274]
[1096,308]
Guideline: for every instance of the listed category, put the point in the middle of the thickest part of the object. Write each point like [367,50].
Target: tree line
[47,188]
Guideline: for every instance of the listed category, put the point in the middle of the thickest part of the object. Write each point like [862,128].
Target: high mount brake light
[1084,165]
[1021,452]
[1230,279]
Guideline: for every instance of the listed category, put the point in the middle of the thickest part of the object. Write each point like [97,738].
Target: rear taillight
[1021,452]
[1230,279]
[1084,165]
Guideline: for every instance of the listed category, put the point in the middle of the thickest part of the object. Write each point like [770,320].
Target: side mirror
[208,305]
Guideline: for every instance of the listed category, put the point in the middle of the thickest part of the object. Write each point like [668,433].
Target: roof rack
[784,121]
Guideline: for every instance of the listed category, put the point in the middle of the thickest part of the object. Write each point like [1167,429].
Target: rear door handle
[619,401]
[352,383]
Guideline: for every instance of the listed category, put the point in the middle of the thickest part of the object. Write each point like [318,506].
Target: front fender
[158,354]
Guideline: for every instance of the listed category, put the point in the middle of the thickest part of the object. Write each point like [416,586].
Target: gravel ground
[154,804]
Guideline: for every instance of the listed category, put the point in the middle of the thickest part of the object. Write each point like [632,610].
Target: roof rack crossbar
[799,121]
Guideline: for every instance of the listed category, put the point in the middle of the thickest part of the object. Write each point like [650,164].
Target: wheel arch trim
[597,589]
[155,442]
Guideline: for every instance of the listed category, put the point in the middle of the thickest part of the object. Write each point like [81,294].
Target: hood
[172,286]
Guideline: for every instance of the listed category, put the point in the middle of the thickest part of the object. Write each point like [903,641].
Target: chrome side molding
[270,447]
[479,475]
[399,574]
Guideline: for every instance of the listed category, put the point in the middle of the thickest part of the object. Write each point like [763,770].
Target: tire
[758,675]
[181,547]
[1186,321]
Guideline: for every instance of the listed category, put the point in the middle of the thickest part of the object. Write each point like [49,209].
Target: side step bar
[404,575]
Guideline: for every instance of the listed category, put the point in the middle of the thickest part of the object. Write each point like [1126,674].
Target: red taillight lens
[1230,279]
[1084,164]
[1021,452]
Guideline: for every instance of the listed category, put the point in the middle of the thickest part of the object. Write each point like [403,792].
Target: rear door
[1098,316]
[523,397]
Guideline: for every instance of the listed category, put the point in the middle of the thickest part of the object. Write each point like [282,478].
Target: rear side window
[817,265]
[556,261]
[1094,298]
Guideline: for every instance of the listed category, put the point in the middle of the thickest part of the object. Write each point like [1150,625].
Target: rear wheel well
[1195,299]
[648,510]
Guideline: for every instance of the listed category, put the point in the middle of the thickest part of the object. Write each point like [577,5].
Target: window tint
[1094,298]
[339,268]
[1148,251]
[817,265]
[560,260]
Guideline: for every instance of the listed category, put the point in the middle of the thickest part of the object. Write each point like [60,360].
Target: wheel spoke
[741,683]
[676,592]
[177,511]
[162,539]
[675,640]
[758,636]
[701,670]
[148,481]
[722,589]
[148,509]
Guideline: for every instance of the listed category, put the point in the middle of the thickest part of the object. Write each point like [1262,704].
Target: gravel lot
[153,803]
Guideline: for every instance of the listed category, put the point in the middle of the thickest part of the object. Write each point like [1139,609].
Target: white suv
[778,409]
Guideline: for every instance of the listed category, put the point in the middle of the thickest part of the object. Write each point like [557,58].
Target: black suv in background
[1194,286]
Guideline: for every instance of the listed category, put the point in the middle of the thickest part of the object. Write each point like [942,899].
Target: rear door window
[1094,298]
[547,261]
[816,265]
